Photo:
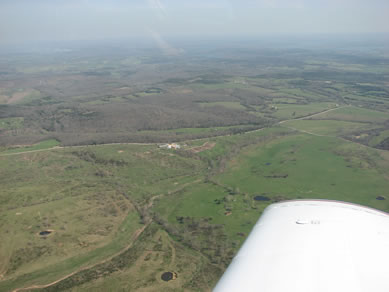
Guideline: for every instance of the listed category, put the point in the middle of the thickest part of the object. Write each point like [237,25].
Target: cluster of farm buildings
[174,146]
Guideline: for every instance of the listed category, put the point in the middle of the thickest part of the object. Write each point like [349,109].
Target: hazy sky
[25,20]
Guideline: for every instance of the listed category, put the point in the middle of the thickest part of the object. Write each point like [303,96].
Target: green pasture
[355,114]
[51,191]
[86,195]
[298,92]
[327,127]
[55,267]
[206,200]
[287,111]
[285,100]
[304,166]
[359,100]
[40,146]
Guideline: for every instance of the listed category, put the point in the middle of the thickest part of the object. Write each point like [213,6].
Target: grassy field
[356,114]
[83,209]
[40,146]
[192,211]
[288,111]
[89,199]
[327,127]
[304,166]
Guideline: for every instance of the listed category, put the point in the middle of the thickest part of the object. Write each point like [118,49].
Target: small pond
[168,276]
[261,198]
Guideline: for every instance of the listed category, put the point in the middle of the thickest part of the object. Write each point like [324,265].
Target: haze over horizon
[59,20]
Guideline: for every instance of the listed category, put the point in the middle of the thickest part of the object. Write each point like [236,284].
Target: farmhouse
[174,146]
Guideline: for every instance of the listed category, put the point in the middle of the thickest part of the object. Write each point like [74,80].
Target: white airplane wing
[313,246]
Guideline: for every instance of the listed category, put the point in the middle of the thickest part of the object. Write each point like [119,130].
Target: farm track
[198,139]
[323,135]
[135,236]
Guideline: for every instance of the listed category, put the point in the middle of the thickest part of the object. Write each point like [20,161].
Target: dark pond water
[167,276]
[261,198]
[380,198]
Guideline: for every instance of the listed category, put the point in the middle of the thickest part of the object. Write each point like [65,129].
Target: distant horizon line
[213,37]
